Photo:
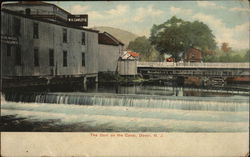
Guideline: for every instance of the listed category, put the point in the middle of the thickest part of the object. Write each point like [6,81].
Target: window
[27,11]
[36,57]
[51,57]
[193,56]
[35,31]
[65,35]
[17,26]
[18,57]
[64,58]
[83,38]
[83,59]
[8,50]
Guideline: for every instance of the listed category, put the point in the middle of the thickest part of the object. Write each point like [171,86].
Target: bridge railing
[192,65]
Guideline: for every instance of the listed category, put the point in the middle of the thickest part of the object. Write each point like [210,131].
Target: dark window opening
[36,57]
[35,31]
[27,11]
[83,59]
[51,57]
[17,26]
[83,38]
[8,50]
[65,35]
[18,57]
[65,58]
[193,56]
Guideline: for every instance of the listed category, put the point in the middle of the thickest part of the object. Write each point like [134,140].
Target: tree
[175,36]
[141,45]
[225,47]
[247,56]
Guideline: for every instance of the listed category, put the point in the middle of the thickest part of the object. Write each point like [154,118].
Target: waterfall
[2,98]
[140,101]
[126,113]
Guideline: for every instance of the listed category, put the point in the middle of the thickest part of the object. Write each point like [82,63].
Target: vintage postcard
[125,78]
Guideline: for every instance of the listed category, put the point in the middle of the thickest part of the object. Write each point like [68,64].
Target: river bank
[12,123]
[110,77]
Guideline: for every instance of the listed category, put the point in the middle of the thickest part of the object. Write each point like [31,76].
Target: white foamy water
[133,113]
[141,101]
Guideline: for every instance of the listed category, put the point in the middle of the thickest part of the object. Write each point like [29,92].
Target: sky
[228,20]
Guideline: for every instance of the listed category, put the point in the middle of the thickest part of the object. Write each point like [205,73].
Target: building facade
[39,9]
[38,47]
[127,64]
[127,67]
[110,50]
[193,55]
[43,41]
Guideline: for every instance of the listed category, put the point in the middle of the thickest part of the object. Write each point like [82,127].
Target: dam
[128,110]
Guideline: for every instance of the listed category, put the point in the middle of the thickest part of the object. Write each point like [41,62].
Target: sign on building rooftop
[78,20]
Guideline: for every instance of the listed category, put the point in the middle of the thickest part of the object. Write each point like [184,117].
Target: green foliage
[176,35]
[210,58]
[232,56]
[247,56]
[143,46]
[110,77]
[155,56]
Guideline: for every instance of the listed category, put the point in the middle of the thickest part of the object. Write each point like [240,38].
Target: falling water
[194,103]
[128,112]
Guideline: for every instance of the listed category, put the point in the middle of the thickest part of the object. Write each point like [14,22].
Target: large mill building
[42,40]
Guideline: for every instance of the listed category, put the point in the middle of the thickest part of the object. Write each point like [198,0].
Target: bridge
[223,70]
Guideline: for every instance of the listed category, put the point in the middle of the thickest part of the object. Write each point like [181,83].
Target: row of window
[17,27]
[36,57]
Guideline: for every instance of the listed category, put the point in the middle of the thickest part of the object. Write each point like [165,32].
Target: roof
[129,55]
[45,20]
[30,2]
[114,38]
[107,39]
[134,54]
[193,55]
[35,3]
[194,49]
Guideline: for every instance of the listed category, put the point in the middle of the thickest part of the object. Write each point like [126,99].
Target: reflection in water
[167,90]
[146,108]
[170,90]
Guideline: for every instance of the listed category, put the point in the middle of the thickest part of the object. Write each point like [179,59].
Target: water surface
[136,108]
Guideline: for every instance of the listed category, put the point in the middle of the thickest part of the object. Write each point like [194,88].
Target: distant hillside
[122,35]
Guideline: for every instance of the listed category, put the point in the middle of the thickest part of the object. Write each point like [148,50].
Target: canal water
[131,108]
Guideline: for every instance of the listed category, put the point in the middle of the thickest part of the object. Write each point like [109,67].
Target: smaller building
[193,55]
[127,64]
[130,55]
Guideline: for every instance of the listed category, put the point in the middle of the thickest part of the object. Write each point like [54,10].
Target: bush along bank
[111,77]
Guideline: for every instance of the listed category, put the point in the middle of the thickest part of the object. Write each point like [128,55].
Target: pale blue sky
[229,20]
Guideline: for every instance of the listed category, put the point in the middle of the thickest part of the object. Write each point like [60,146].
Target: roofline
[195,48]
[109,44]
[44,3]
[46,21]
[133,55]
[119,42]
[128,56]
